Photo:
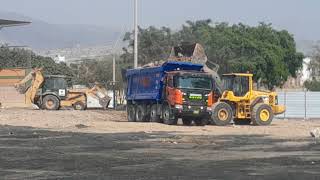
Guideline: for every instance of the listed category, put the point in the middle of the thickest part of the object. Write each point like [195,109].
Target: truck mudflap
[278,109]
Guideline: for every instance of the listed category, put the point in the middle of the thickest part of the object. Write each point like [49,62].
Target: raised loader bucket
[188,52]
[195,53]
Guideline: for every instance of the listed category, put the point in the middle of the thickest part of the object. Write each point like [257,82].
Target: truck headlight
[178,106]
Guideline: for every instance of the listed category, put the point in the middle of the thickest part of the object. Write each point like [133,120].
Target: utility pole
[114,53]
[114,79]
[135,33]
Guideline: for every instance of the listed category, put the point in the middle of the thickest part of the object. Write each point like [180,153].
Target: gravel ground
[98,121]
[95,144]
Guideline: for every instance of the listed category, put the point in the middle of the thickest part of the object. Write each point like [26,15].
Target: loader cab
[239,84]
[55,84]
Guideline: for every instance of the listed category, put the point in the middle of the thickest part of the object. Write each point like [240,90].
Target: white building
[59,59]
[302,76]
[305,73]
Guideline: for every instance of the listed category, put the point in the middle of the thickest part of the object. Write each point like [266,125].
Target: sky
[299,17]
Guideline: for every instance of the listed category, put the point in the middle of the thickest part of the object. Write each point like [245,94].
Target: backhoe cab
[243,104]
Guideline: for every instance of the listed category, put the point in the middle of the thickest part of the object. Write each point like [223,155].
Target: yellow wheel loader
[239,102]
[51,92]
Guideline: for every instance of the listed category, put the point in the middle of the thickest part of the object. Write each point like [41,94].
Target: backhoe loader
[51,93]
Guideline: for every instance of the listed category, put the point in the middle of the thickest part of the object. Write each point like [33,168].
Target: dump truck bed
[147,83]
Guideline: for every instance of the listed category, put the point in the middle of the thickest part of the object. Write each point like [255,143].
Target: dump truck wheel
[79,106]
[186,121]
[50,102]
[168,117]
[262,114]
[141,113]
[131,113]
[201,121]
[153,114]
[242,121]
[221,114]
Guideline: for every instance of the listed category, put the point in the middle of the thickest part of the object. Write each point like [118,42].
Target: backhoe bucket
[97,97]
[34,106]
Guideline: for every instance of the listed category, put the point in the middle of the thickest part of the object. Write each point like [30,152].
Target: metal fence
[301,104]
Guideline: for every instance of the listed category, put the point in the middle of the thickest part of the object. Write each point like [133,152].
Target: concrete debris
[81,126]
[235,126]
[315,133]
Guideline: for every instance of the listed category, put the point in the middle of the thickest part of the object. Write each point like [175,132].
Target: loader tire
[168,117]
[80,106]
[141,113]
[131,113]
[50,102]
[262,114]
[154,117]
[221,114]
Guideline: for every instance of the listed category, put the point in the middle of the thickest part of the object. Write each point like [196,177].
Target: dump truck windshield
[238,84]
[188,82]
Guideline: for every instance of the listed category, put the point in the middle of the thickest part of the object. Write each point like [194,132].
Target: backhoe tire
[80,106]
[262,114]
[141,113]
[131,113]
[242,121]
[221,114]
[50,102]
[154,117]
[186,121]
[168,117]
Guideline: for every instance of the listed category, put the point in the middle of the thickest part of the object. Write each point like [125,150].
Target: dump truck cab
[243,104]
[189,93]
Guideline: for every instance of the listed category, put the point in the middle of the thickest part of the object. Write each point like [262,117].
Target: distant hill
[41,35]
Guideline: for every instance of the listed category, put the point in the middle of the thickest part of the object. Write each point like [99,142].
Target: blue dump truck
[168,92]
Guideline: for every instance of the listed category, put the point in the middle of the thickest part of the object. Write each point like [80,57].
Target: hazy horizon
[298,17]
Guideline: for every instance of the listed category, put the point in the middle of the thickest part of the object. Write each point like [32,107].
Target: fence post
[305,104]
[285,103]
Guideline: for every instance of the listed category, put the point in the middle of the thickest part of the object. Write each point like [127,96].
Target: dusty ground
[97,144]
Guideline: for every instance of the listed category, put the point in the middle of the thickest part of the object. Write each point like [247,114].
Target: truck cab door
[170,90]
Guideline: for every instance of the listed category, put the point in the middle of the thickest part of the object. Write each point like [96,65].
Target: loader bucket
[189,52]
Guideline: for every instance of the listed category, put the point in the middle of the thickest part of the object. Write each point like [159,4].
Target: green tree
[155,44]
[89,72]
[268,53]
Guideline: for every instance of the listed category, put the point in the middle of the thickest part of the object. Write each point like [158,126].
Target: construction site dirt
[97,144]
